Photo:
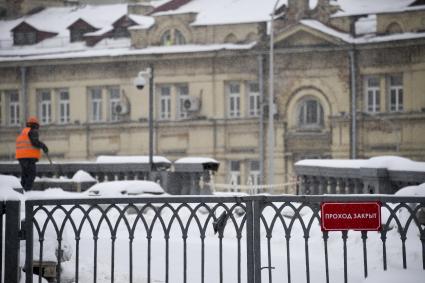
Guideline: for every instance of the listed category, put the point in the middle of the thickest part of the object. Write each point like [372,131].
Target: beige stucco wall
[412,21]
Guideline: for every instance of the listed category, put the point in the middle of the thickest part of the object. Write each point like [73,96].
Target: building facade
[348,82]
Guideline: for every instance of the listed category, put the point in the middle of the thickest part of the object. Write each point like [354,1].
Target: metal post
[12,245]
[151,82]
[261,129]
[353,106]
[271,94]
[24,93]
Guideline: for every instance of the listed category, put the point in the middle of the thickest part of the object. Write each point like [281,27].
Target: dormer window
[78,29]
[121,27]
[172,37]
[25,38]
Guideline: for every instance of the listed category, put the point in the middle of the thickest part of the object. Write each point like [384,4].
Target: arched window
[166,38]
[394,28]
[179,38]
[230,38]
[172,37]
[310,114]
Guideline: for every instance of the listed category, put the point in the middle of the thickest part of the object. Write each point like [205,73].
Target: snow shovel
[59,171]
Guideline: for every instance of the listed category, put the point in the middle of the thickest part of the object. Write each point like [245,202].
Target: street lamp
[270,140]
[140,83]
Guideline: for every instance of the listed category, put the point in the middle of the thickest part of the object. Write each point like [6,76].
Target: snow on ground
[278,245]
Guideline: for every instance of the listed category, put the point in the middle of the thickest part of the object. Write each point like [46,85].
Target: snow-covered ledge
[385,174]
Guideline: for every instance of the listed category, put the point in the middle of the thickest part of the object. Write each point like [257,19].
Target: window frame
[372,95]
[64,107]
[13,107]
[114,98]
[95,104]
[396,93]
[235,175]
[233,100]
[254,104]
[164,103]
[181,112]
[304,110]
[45,106]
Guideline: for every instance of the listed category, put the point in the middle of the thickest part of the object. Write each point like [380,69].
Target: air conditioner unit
[192,103]
[121,108]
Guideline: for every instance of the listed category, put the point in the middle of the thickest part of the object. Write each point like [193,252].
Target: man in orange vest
[28,152]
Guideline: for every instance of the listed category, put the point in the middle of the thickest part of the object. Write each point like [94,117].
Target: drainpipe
[24,93]
[353,82]
[261,120]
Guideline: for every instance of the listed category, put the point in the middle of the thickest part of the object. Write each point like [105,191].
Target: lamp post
[270,141]
[140,83]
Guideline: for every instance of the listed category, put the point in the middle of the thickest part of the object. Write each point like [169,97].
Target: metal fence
[207,239]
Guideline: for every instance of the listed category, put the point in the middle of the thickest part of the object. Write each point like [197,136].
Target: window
[179,38]
[372,94]
[13,109]
[172,37]
[95,95]
[254,172]
[183,94]
[394,28]
[234,100]
[121,32]
[254,99]
[64,117]
[45,106]
[114,100]
[310,113]
[235,173]
[396,93]
[165,103]
[25,38]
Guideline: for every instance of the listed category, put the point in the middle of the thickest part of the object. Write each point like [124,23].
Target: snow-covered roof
[366,38]
[364,7]
[111,49]
[219,12]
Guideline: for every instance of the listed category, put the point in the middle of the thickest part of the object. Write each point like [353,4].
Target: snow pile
[124,189]
[366,25]
[130,159]
[392,163]
[196,160]
[412,191]
[7,185]
[82,176]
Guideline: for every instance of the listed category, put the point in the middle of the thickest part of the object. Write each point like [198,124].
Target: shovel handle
[48,157]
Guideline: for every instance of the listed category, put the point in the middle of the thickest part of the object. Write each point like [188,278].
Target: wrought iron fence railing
[208,239]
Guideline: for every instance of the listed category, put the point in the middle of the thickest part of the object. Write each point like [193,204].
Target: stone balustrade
[317,180]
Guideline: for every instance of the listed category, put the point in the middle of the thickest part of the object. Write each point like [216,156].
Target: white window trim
[253,108]
[164,103]
[113,101]
[45,107]
[95,103]
[375,107]
[13,107]
[398,89]
[236,99]
[181,113]
[64,107]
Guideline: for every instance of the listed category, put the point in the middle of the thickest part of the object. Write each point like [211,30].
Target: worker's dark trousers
[28,172]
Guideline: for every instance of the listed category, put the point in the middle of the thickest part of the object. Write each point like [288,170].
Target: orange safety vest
[24,148]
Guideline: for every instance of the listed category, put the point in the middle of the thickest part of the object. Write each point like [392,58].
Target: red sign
[337,216]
